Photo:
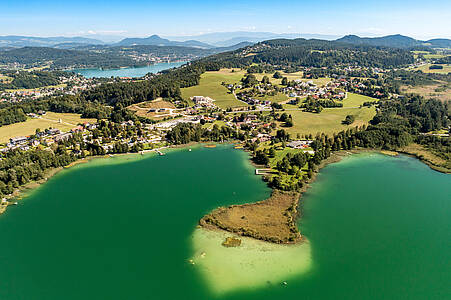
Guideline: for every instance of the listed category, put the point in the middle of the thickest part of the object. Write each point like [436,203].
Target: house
[53,131]
[20,140]
[264,137]
[77,129]
[62,137]
[299,144]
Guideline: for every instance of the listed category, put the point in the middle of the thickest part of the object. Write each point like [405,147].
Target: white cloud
[106,32]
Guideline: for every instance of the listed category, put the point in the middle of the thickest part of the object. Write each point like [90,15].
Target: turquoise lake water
[127,72]
[379,227]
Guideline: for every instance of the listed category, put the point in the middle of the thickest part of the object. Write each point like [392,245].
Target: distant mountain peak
[156,40]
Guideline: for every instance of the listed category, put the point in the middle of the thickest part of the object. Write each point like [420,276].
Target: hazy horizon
[139,18]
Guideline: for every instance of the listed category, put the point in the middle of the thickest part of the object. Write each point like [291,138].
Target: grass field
[29,127]
[427,54]
[328,121]
[210,85]
[355,100]
[293,76]
[425,69]
[142,109]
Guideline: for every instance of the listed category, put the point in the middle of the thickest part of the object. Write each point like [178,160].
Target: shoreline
[22,191]
[210,221]
[219,219]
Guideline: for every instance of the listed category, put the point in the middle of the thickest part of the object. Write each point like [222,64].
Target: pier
[262,171]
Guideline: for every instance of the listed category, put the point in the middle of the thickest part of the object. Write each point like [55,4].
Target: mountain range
[224,39]
[217,40]
[30,41]
[155,40]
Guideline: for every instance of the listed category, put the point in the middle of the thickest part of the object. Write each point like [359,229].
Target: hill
[440,43]
[155,40]
[76,55]
[395,41]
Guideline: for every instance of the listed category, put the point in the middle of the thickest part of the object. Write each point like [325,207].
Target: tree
[284,81]
[272,152]
[261,158]
[277,75]
[348,120]
[249,80]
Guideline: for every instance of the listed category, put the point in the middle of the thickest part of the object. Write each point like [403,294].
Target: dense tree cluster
[316,106]
[318,53]
[184,133]
[20,167]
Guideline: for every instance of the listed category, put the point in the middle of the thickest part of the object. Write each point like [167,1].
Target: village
[70,85]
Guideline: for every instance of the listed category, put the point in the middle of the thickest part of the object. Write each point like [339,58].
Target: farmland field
[68,121]
[355,100]
[425,69]
[329,120]
[142,109]
[210,86]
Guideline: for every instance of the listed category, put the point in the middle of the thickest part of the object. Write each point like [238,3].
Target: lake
[127,72]
[379,227]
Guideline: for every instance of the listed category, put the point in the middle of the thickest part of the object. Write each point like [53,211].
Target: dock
[262,171]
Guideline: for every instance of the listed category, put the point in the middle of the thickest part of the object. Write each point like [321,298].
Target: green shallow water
[378,228]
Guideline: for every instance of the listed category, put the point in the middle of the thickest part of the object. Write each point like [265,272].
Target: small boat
[16,203]
[189,150]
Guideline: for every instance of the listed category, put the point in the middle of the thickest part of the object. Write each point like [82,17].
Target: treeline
[20,167]
[439,146]
[11,115]
[316,106]
[16,112]
[184,133]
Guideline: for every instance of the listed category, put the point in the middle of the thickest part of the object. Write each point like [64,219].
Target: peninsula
[272,220]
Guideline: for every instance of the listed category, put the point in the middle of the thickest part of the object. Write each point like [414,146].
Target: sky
[139,18]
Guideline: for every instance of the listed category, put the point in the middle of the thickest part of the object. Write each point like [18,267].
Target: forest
[31,80]
[61,59]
